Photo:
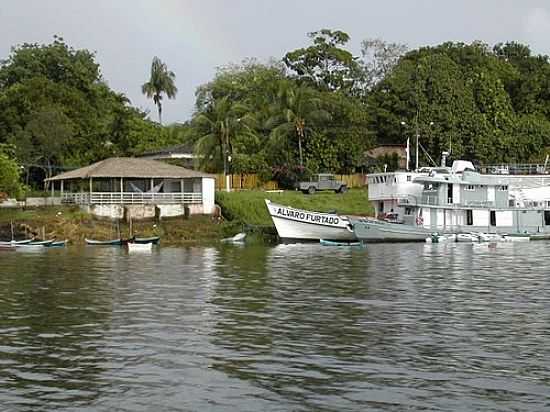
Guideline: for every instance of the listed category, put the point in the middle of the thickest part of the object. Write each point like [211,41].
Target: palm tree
[296,110]
[220,124]
[161,82]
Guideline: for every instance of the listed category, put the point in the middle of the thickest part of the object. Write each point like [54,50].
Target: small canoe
[40,242]
[517,238]
[28,246]
[239,237]
[335,243]
[152,239]
[113,242]
[16,242]
[139,247]
[58,243]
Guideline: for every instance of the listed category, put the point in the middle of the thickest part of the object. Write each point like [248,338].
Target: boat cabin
[469,201]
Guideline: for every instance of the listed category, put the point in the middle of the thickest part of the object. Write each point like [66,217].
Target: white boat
[439,238]
[490,237]
[298,224]
[238,238]
[139,247]
[467,237]
[517,238]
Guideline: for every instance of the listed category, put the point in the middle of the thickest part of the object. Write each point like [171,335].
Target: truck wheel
[311,190]
[343,189]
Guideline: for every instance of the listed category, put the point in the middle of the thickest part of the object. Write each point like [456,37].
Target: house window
[469,218]
[409,178]
[470,187]
[493,217]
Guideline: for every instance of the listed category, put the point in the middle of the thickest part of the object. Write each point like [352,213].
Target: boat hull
[375,231]
[153,239]
[303,225]
[114,242]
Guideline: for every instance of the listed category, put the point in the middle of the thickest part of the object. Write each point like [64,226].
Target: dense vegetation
[318,108]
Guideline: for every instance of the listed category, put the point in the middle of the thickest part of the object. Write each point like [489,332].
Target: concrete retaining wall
[139,212]
[31,202]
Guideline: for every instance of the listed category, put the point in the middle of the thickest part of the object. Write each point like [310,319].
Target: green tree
[325,64]
[296,110]
[218,127]
[161,81]
[10,181]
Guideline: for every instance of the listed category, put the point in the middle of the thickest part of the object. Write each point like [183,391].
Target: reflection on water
[292,327]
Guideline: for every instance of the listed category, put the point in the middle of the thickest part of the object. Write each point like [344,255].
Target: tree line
[318,108]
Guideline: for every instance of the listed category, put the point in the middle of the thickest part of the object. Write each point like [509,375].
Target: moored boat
[40,242]
[139,247]
[112,242]
[304,225]
[58,243]
[151,239]
[16,242]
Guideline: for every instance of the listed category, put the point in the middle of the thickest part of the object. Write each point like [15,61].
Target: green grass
[249,207]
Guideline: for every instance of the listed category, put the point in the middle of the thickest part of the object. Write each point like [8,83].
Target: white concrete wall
[171,210]
[108,211]
[138,212]
[32,202]
[480,217]
[208,195]
[11,203]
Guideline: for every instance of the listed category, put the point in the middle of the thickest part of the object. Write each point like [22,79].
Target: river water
[396,327]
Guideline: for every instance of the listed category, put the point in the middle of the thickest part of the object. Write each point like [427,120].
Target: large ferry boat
[458,200]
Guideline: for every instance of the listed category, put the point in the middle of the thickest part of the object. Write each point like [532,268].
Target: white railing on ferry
[99,198]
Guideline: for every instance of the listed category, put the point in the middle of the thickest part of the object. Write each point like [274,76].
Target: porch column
[152,184]
[181,185]
[53,188]
[91,189]
[62,188]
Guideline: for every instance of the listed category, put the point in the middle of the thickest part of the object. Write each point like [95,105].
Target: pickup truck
[322,181]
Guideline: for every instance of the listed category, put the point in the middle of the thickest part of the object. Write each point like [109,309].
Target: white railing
[98,198]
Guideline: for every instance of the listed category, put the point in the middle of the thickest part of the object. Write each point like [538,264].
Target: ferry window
[502,188]
[470,187]
[409,178]
[469,218]
[493,217]
[547,217]
[408,211]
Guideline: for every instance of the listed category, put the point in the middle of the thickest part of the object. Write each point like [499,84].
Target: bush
[10,182]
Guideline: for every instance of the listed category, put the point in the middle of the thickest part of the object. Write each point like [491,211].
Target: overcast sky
[195,36]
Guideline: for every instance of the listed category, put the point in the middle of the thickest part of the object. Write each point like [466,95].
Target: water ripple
[450,327]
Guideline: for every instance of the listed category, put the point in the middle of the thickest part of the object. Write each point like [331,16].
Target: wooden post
[62,188]
[53,188]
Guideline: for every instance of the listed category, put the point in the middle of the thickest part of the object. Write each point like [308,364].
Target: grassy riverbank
[239,209]
[70,223]
[249,207]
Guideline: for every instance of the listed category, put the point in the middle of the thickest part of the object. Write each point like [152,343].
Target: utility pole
[417,136]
